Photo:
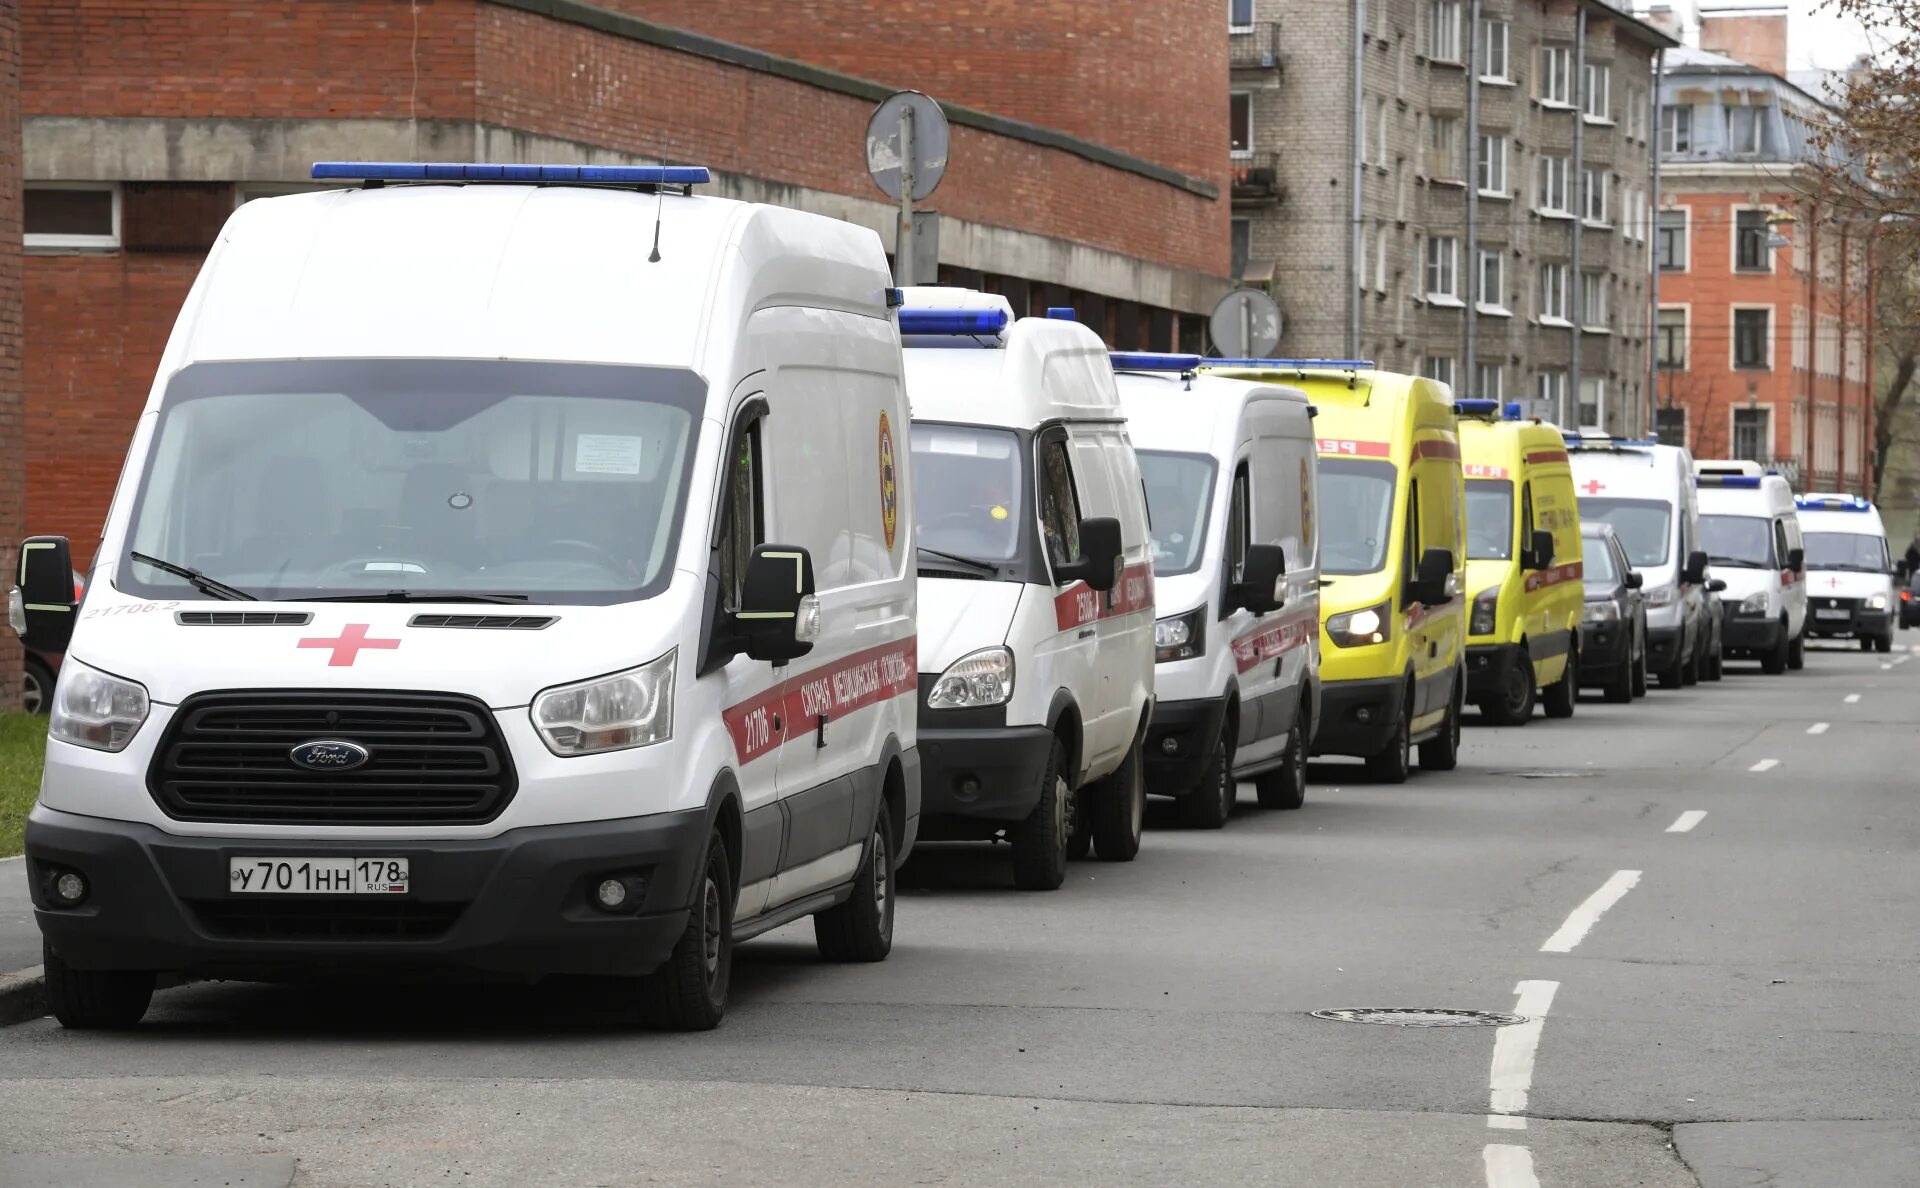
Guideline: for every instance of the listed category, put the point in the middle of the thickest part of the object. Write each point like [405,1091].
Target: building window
[1671,350]
[1443,30]
[1489,381]
[1745,129]
[1242,246]
[1750,253]
[1493,50]
[1750,338]
[1551,387]
[1492,278]
[1826,346]
[1593,403]
[1594,186]
[1551,191]
[1443,261]
[1380,132]
[1492,166]
[1670,426]
[1240,123]
[1239,15]
[1553,293]
[1672,246]
[1856,355]
[1438,367]
[1799,338]
[1636,120]
[1752,435]
[1676,128]
[1443,149]
[1593,300]
[1553,82]
[1380,258]
[1596,99]
[71,215]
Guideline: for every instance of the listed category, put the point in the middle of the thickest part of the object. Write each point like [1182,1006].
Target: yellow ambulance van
[1392,562]
[1525,596]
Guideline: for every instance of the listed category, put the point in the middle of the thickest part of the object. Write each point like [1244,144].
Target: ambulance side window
[1526,515]
[1780,543]
[1059,505]
[740,517]
[1239,525]
[1410,554]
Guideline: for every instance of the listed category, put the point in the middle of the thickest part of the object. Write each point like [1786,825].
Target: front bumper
[1750,635]
[1604,647]
[1180,738]
[1343,705]
[1862,623]
[1664,647]
[988,773]
[1490,667]
[514,906]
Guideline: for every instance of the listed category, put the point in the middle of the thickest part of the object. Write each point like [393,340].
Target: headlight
[611,713]
[16,611]
[1602,612]
[978,679]
[1662,595]
[1181,637]
[1877,602]
[1352,629]
[92,709]
[1754,604]
[1486,607]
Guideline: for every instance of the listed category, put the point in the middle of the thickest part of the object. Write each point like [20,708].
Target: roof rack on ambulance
[378,173]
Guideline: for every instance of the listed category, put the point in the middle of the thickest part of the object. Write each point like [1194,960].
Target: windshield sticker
[605,453]
[1482,470]
[889,492]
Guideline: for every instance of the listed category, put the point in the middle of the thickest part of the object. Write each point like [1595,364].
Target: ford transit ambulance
[1849,572]
[1229,467]
[1036,585]
[1524,559]
[1646,491]
[511,576]
[1751,532]
[1392,562]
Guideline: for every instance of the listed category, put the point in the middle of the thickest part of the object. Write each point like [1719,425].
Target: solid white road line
[1853,698]
[1509,1166]
[1514,1048]
[1687,821]
[1588,914]
[1818,728]
[1765,765]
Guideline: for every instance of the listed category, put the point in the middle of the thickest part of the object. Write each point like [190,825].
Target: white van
[1231,475]
[1751,532]
[506,579]
[1036,585]
[1849,572]
[1646,491]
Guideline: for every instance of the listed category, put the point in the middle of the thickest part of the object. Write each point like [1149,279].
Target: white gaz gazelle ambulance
[1036,585]
[1849,572]
[511,575]
[1751,533]
[1231,468]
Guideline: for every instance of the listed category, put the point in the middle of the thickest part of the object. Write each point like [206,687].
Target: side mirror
[1696,569]
[1100,553]
[1797,560]
[779,617]
[1430,577]
[1539,551]
[1258,589]
[42,608]
[1634,579]
[1715,585]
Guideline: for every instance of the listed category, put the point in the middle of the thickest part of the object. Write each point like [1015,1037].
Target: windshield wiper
[196,579]
[966,564]
[413,596]
[1736,562]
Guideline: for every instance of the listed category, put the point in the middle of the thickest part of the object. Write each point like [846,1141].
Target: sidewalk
[21,998]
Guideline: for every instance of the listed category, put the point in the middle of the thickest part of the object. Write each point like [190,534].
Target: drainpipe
[1576,278]
[1470,344]
[1357,130]
[1653,248]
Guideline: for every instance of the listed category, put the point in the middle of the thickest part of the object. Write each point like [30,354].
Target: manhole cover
[1551,775]
[1420,1017]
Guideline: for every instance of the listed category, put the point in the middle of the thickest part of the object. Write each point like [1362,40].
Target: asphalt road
[1745,1010]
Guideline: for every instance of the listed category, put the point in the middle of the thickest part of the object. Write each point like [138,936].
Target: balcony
[1254,47]
[1256,179]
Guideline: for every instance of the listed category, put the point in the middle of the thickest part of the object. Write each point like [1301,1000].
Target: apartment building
[1458,187]
[1765,324]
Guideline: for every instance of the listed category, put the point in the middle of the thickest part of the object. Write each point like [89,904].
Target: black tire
[1619,687]
[1442,753]
[861,929]
[1393,762]
[1040,842]
[1640,670]
[1775,662]
[1285,787]
[36,687]
[1866,645]
[1560,698]
[1515,706]
[1210,804]
[1884,644]
[1670,676]
[1119,808]
[92,999]
[1690,670]
[1716,666]
[689,991]
[1797,653]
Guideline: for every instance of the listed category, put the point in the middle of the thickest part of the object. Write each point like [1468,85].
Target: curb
[23,996]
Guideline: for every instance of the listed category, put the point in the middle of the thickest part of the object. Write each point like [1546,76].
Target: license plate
[317,876]
[1832,614]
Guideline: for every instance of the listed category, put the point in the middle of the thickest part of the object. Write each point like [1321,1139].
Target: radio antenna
[659,198]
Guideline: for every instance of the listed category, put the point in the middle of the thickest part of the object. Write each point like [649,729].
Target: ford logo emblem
[329,754]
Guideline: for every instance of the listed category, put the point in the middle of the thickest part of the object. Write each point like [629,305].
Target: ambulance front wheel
[689,991]
[1120,808]
[1210,804]
[1040,842]
[1391,764]
[94,999]
[861,929]
[1285,787]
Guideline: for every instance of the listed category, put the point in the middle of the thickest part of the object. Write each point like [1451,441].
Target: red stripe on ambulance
[1553,575]
[1258,647]
[1080,604]
[1541,456]
[793,708]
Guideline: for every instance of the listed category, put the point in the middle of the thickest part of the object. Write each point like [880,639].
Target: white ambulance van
[1231,471]
[1036,585]
[511,576]
[1751,533]
[1849,572]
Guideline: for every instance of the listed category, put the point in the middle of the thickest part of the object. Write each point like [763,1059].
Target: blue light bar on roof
[1152,361]
[1851,503]
[1511,410]
[605,175]
[1727,480]
[1061,313]
[1476,408]
[1296,364]
[952,321]
[1576,441]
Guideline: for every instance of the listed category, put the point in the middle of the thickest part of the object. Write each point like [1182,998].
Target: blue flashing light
[1751,481]
[1577,441]
[1846,503]
[607,175]
[1296,364]
[1476,408]
[1152,361]
[952,321]
[1061,313]
[1511,410]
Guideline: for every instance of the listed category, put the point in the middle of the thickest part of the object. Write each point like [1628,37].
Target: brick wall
[12,399]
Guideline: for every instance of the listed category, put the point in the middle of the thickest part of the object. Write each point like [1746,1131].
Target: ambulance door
[1064,659]
[1272,660]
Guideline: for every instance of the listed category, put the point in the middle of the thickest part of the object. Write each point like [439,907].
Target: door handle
[1433,649]
[1088,632]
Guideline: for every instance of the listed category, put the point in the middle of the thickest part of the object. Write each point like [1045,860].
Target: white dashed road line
[1853,698]
[1509,1167]
[1765,765]
[1514,1047]
[1687,821]
[1588,914]
[1818,728]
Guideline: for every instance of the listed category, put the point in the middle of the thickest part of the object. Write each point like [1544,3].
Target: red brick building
[1085,163]
[13,489]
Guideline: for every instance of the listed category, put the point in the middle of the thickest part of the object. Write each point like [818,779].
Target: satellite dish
[929,141]
[1245,325]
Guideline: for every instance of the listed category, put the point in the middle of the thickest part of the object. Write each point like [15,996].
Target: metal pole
[903,238]
[1357,130]
[1576,280]
[1653,255]
[1468,380]
[1246,328]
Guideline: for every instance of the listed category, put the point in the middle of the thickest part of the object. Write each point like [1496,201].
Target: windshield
[1489,520]
[1641,525]
[967,486]
[1854,551]
[1356,515]
[1596,561]
[1745,542]
[1179,491]
[309,479]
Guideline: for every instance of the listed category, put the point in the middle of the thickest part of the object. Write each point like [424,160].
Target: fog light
[611,894]
[967,787]
[70,888]
[1364,713]
[1170,744]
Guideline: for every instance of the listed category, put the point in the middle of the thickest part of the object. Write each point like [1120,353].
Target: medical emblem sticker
[889,493]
